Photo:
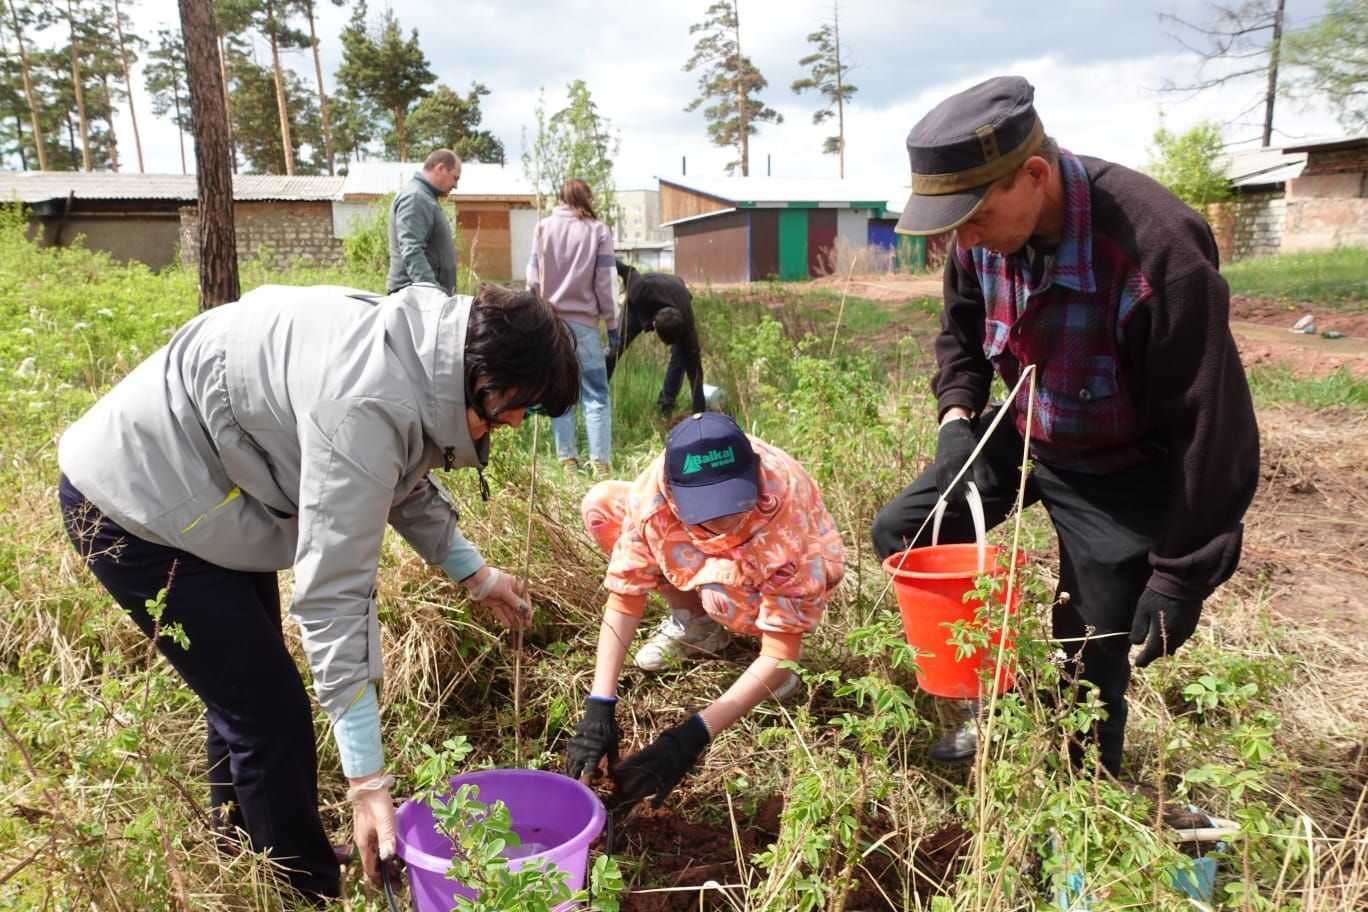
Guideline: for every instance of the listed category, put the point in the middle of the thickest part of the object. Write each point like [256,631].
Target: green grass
[1335,279]
[1277,384]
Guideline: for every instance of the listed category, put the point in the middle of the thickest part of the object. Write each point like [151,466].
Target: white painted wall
[522,223]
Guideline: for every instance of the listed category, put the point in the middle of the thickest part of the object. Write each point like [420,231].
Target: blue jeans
[598,420]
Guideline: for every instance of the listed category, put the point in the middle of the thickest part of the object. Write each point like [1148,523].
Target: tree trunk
[128,87]
[400,139]
[113,137]
[741,95]
[1272,75]
[80,92]
[19,141]
[281,105]
[227,102]
[217,234]
[180,119]
[28,91]
[322,96]
[840,88]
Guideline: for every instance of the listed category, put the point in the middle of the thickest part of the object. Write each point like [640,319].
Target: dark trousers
[1106,525]
[675,370]
[263,771]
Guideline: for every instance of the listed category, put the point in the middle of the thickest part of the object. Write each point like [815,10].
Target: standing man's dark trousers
[263,771]
[1106,526]
[675,371]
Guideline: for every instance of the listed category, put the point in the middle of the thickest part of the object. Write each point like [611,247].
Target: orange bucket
[931,584]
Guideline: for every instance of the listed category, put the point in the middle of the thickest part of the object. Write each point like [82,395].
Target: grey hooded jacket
[287,429]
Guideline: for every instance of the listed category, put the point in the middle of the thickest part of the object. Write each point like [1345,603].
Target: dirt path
[1261,328]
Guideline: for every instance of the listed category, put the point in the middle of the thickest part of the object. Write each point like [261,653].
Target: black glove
[596,736]
[954,444]
[659,767]
[1162,624]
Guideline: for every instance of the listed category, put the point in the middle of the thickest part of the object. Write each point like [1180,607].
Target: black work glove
[954,444]
[659,767]
[596,736]
[1162,624]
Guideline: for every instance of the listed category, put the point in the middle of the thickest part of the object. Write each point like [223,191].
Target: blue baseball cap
[710,467]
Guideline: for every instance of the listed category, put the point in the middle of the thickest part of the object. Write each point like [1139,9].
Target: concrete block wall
[288,231]
[1258,221]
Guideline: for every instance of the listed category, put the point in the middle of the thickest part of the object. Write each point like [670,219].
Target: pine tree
[447,120]
[164,77]
[384,71]
[730,81]
[129,45]
[271,20]
[18,21]
[308,7]
[256,117]
[829,69]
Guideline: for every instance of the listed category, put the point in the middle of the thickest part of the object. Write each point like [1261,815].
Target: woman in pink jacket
[729,530]
[572,266]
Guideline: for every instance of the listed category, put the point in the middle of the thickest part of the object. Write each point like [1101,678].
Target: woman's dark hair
[515,341]
[669,325]
[576,194]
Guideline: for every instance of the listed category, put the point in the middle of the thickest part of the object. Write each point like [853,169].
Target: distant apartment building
[637,235]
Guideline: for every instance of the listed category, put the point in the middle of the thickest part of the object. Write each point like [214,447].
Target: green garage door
[793,238]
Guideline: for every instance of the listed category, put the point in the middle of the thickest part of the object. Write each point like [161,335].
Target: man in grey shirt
[420,242]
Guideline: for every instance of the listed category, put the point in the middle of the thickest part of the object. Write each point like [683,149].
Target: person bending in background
[729,530]
[286,430]
[660,303]
[571,265]
[1144,448]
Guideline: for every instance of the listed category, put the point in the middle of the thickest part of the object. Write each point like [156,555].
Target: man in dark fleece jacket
[661,303]
[1143,442]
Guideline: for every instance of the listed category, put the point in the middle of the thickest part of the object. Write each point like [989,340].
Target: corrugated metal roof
[1261,167]
[779,191]
[41,186]
[376,178]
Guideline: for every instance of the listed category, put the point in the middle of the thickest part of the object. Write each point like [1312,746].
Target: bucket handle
[971,496]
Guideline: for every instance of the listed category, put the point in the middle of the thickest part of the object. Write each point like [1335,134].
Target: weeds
[1332,279]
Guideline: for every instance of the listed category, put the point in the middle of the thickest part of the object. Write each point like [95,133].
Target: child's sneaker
[675,642]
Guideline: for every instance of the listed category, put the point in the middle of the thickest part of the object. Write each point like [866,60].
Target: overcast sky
[1097,66]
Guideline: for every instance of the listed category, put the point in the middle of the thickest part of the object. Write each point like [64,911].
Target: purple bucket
[555,816]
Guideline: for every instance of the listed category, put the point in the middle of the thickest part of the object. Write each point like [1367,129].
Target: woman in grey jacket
[286,430]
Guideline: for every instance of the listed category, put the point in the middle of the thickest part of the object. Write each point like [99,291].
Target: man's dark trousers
[263,770]
[1106,525]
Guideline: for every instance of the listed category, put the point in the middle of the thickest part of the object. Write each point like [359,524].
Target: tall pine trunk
[322,96]
[227,101]
[281,104]
[218,270]
[128,86]
[80,91]
[109,114]
[28,91]
[741,95]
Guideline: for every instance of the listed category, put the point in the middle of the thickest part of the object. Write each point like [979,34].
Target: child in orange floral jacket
[725,527]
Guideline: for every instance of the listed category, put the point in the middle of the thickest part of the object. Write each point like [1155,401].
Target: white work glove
[502,594]
[373,822]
